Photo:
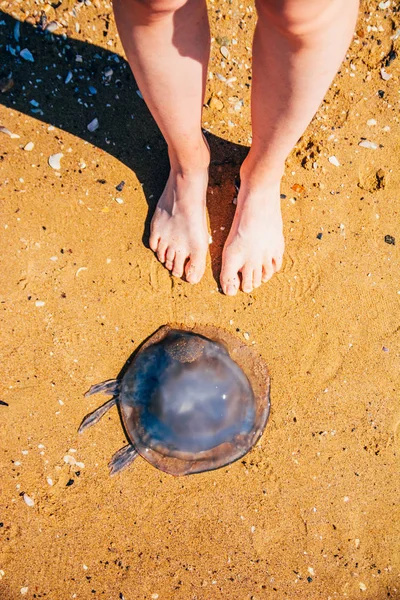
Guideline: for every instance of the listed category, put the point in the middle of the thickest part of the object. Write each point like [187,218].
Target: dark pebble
[70,482]
[390,58]
[389,239]
[309,579]
[120,186]
[381,93]
[3,403]
[319,236]
[283,196]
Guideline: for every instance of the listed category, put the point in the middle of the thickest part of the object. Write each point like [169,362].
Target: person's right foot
[179,234]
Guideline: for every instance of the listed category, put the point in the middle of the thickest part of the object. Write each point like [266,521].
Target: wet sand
[312,512]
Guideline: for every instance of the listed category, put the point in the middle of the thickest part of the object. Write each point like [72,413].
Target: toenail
[230,290]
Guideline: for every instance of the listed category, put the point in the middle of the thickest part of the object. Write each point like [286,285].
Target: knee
[297,18]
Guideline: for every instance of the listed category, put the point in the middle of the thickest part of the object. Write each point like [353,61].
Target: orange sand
[312,512]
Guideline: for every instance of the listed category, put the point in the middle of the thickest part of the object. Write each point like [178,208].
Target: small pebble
[371,122]
[49,481]
[119,200]
[216,103]
[39,303]
[29,146]
[389,239]
[54,161]
[24,590]
[68,77]
[154,596]
[363,587]
[93,125]
[120,186]
[29,502]
[70,460]
[319,236]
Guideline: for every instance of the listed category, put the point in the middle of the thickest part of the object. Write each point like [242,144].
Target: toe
[154,241]
[247,279]
[267,272]
[169,258]
[257,277]
[229,276]
[195,267]
[179,263]
[161,251]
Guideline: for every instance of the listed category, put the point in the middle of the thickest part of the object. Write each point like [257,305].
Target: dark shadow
[102,87]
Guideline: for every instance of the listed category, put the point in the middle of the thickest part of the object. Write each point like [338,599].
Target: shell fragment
[54,161]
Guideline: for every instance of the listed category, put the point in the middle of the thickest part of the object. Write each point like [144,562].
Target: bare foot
[179,234]
[255,243]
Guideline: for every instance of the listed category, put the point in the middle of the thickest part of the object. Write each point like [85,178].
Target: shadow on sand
[100,85]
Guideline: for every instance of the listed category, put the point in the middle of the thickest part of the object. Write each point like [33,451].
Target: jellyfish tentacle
[122,459]
[95,416]
[111,386]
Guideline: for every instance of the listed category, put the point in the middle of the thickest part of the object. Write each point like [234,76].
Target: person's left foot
[255,243]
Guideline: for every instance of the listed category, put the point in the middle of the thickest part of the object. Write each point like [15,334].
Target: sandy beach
[312,512]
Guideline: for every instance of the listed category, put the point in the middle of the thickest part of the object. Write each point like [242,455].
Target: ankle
[256,176]
[194,158]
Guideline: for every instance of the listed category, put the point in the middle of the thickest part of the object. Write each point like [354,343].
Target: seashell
[224,51]
[13,136]
[27,55]
[54,161]
[334,161]
[52,26]
[368,144]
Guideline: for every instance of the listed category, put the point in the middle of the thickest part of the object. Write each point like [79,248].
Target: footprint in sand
[296,282]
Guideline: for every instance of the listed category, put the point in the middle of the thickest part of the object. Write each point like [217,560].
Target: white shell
[28,500]
[27,55]
[224,51]
[54,160]
[334,161]
[367,144]
[14,136]
[385,76]
[29,146]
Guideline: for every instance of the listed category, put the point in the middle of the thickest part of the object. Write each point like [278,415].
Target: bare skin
[298,47]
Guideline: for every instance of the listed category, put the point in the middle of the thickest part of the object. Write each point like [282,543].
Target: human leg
[167,46]
[298,47]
